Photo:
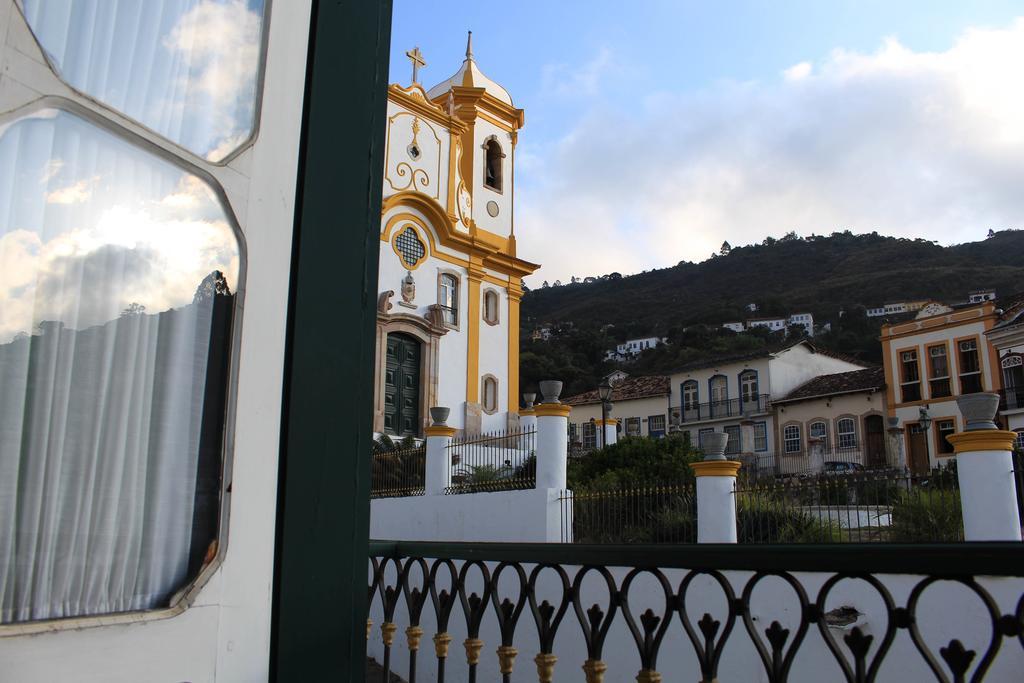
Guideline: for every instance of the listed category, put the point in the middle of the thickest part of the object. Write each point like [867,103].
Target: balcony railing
[486,610]
[1011,398]
[714,410]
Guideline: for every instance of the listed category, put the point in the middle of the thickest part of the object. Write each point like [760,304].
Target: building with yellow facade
[450,280]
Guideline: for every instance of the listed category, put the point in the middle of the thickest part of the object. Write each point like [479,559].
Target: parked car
[841,467]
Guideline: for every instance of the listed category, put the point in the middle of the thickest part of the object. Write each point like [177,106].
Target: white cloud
[798,71]
[573,80]
[220,42]
[76,193]
[922,144]
[153,253]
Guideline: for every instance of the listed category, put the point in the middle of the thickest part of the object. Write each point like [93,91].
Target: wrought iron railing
[1011,398]
[397,470]
[713,410]
[493,461]
[653,513]
[922,612]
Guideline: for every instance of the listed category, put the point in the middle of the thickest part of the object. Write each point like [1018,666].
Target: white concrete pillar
[984,465]
[716,496]
[438,473]
[894,444]
[552,437]
[611,432]
[528,420]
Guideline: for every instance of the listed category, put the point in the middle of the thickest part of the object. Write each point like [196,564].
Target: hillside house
[639,405]
[942,353]
[1007,338]
[725,393]
[844,413]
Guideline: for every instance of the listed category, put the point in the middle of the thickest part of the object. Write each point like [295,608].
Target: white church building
[450,280]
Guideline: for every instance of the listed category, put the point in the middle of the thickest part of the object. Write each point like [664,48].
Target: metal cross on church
[416,57]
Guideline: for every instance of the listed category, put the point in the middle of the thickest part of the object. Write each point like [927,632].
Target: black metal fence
[657,513]
[756,404]
[397,469]
[491,610]
[495,461]
[868,506]
[876,506]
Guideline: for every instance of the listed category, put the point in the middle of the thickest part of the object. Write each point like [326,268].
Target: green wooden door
[402,386]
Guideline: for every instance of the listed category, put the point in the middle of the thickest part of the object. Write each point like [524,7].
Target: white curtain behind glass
[100,438]
[104,347]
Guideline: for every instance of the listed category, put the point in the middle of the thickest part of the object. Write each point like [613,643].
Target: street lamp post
[604,392]
[925,420]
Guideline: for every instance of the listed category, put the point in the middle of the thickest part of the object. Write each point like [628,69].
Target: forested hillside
[822,275]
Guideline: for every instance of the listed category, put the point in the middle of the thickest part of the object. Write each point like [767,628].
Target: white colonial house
[930,360]
[735,326]
[639,408]
[732,392]
[450,280]
[838,417]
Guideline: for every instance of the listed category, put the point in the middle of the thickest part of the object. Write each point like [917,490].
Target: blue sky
[640,118]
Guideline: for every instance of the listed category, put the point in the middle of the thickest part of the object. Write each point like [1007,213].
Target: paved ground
[375,674]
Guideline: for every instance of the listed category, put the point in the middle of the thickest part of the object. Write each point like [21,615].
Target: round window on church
[409,247]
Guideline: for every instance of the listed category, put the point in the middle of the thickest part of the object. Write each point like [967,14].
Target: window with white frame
[846,432]
[970,367]
[791,438]
[632,426]
[116,330]
[938,372]
[760,436]
[589,435]
[1019,440]
[656,425]
[448,298]
[732,446]
[690,395]
[943,429]
[910,376]
[748,386]
[819,430]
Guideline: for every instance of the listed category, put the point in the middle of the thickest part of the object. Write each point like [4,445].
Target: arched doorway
[402,385]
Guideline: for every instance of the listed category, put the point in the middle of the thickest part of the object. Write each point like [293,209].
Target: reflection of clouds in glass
[186,69]
[149,233]
[75,193]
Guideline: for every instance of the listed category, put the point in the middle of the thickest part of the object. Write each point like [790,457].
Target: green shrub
[769,517]
[632,461]
[929,515]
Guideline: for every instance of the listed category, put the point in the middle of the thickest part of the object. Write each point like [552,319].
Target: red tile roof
[628,389]
[871,379]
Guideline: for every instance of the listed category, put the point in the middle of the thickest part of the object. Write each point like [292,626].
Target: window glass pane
[187,69]
[760,436]
[116,271]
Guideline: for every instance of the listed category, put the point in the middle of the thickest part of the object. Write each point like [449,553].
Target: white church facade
[450,280]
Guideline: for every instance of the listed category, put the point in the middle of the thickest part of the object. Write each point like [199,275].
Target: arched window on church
[490,394]
[492,167]
[491,307]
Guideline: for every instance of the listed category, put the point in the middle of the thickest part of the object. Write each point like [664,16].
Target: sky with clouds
[90,223]
[656,132]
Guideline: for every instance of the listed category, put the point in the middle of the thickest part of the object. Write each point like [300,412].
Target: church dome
[469,75]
